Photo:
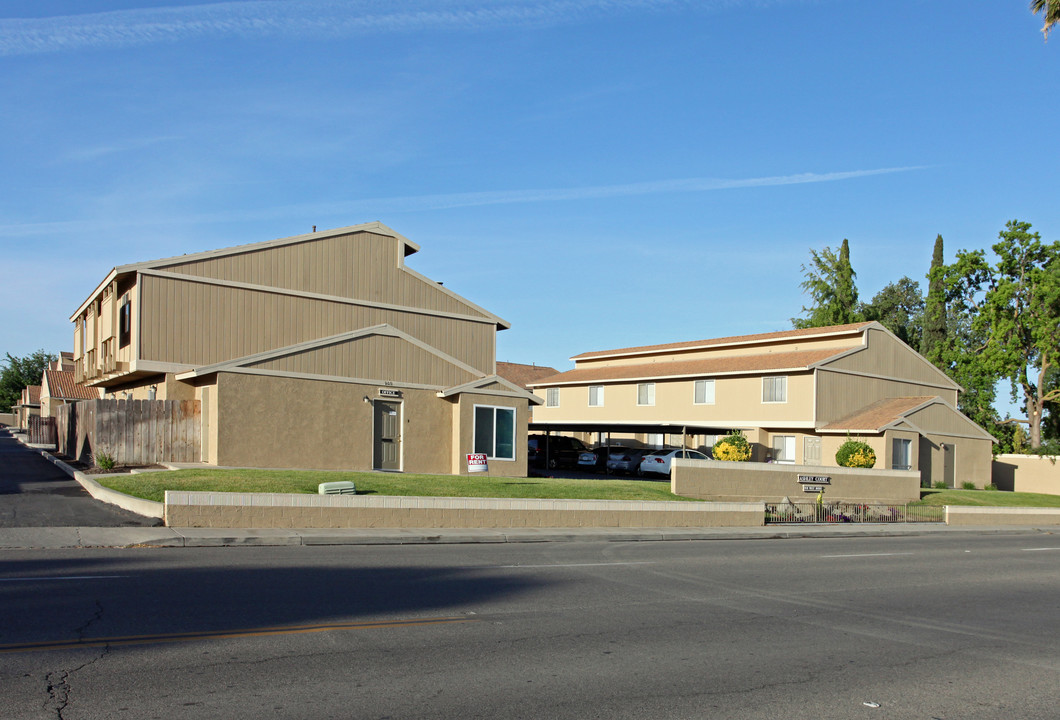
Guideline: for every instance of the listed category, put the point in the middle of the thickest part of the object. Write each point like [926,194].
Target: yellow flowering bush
[733,448]
[855,454]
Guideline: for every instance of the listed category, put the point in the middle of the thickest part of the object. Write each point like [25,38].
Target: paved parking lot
[35,493]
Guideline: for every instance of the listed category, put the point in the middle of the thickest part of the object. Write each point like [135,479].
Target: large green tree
[899,307]
[1049,10]
[935,331]
[18,373]
[830,282]
[1014,306]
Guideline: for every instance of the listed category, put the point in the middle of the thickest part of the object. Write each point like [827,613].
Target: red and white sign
[476,462]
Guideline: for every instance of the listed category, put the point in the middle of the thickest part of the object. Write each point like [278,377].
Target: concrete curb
[147,508]
[162,537]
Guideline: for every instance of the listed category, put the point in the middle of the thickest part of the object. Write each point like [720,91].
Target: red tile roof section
[702,367]
[32,393]
[523,375]
[736,339]
[879,414]
[61,384]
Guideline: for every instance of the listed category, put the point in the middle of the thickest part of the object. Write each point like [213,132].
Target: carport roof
[616,427]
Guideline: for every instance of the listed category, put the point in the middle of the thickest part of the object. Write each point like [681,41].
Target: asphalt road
[961,626]
[35,493]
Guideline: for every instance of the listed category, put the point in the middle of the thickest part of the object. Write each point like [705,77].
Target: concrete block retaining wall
[265,510]
[992,516]
[772,482]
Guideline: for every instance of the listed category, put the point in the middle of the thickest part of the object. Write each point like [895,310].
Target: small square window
[775,389]
[552,397]
[596,396]
[704,392]
[646,394]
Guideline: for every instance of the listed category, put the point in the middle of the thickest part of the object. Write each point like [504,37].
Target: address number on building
[813,488]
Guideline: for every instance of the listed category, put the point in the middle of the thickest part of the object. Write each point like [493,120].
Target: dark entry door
[387,455]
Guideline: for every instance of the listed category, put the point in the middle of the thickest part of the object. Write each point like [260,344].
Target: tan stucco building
[796,396]
[322,350]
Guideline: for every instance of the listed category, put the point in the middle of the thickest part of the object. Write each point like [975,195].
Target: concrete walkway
[133,537]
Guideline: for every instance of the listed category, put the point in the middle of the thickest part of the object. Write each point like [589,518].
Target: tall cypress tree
[846,293]
[933,340]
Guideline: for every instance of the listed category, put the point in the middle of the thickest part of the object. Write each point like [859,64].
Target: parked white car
[658,463]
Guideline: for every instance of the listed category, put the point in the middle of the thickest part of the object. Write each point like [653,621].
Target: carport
[606,429]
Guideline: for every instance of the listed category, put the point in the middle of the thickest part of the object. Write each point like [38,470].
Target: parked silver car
[627,460]
[596,459]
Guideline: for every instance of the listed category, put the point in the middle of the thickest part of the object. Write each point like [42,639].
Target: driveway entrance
[35,493]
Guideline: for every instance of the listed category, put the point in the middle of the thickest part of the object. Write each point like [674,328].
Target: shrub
[733,448]
[990,486]
[104,461]
[967,485]
[939,485]
[855,454]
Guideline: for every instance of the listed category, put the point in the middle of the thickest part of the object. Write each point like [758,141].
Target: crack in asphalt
[58,681]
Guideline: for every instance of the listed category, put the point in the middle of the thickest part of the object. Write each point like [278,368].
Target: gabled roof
[805,333]
[31,395]
[482,385]
[880,415]
[699,367]
[383,329]
[61,384]
[376,228]
[523,375]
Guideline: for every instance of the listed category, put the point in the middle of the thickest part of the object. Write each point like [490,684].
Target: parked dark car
[553,451]
[596,459]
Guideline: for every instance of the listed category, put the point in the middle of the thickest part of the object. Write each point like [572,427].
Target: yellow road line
[222,634]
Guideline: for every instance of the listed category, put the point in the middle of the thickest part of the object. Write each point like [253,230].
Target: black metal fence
[843,512]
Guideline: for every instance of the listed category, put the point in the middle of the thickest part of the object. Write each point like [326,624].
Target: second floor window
[552,397]
[774,389]
[646,394]
[596,396]
[124,322]
[704,393]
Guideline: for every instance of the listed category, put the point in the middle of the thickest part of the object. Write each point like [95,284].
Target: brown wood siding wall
[362,266]
[942,420]
[376,357]
[132,432]
[198,324]
[840,395]
[887,356]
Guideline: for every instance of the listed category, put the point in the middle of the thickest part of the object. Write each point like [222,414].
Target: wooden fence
[42,430]
[133,432]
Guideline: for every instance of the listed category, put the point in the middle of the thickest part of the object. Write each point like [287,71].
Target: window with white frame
[495,431]
[775,389]
[552,397]
[901,455]
[596,396]
[646,393]
[784,449]
[704,392]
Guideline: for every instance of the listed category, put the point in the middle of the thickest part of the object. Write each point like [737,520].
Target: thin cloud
[421,203]
[312,18]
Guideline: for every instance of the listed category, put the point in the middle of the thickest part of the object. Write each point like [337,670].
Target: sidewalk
[137,537]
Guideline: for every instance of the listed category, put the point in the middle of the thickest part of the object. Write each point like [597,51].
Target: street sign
[476,462]
[816,479]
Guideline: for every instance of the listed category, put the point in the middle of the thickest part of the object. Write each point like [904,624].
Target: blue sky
[600,173]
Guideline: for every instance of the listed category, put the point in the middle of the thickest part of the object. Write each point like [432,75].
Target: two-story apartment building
[322,350]
[796,395]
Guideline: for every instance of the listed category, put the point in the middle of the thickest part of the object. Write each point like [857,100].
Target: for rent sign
[476,462]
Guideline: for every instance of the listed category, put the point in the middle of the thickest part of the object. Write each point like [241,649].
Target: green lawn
[989,498]
[152,486]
